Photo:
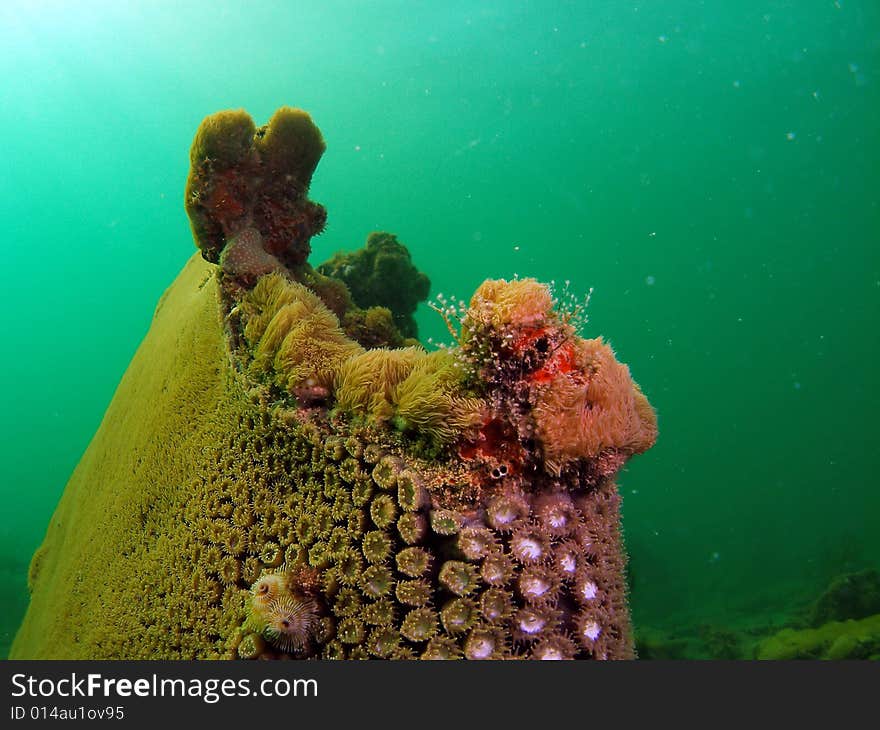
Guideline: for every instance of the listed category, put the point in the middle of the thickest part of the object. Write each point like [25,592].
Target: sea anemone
[496,604]
[376,546]
[445,521]
[588,629]
[441,648]
[413,592]
[385,472]
[534,622]
[413,561]
[250,646]
[412,527]
[383,511]
[376,581]
[383,641]
[567,556]
[351,631]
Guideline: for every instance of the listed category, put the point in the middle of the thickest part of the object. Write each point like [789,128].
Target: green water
[710,169]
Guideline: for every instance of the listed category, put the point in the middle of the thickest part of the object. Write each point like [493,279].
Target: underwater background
[710,169]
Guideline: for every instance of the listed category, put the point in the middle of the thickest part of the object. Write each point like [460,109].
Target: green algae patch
[834,640]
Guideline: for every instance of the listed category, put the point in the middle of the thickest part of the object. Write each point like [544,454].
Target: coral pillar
[264,485]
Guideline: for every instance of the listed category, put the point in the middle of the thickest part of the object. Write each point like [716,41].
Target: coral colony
[337,491]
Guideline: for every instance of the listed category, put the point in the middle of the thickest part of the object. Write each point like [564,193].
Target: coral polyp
[288,473]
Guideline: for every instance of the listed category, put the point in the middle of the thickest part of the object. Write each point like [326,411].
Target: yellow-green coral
[291,143]
[311,352]
[431,399]
[224,137]
[297,342]
[294,338]
[418,392]
[124,489]
[247,179]
[365,383]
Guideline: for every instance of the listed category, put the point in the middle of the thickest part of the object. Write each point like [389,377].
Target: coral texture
[265,486]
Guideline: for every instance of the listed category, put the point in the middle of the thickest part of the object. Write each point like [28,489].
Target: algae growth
[285,471]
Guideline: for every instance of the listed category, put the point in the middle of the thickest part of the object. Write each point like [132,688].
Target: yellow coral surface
[119,559]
